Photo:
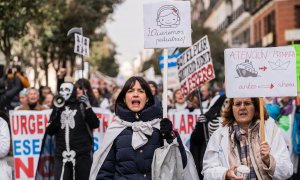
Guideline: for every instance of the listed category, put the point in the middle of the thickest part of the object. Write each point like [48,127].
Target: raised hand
[85,99]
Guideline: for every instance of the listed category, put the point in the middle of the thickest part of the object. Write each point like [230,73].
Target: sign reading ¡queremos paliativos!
[167,24]
[195,66]
[260,72]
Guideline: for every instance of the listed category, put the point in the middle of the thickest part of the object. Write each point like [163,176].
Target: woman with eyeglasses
[238,142]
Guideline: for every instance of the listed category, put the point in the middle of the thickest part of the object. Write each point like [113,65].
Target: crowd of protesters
[17,94]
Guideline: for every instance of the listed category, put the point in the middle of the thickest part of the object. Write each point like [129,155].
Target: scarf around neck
[240,140]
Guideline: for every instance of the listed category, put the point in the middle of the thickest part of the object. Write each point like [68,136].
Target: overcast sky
[127,31]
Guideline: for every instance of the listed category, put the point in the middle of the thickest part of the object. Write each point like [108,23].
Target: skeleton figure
[67,121]
[71,124]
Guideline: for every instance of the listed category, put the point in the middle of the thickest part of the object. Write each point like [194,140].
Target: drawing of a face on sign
[168,16]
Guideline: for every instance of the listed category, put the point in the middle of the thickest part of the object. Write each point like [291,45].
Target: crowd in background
[17,94]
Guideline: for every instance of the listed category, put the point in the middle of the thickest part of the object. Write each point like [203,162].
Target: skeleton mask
[65,90]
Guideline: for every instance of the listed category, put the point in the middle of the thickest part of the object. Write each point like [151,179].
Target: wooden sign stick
[262,118]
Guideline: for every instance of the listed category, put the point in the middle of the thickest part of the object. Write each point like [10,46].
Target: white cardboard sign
[82,45]
[260,72]
[167,24]
[195,66]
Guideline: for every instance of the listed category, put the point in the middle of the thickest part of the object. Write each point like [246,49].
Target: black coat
[123,162]
[198,139]
[80,137]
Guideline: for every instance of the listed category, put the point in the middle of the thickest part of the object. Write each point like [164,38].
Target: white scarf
[115,128]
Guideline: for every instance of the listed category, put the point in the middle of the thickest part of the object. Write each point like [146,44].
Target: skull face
[65,90]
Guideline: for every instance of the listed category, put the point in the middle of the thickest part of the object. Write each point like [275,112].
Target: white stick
[165,84]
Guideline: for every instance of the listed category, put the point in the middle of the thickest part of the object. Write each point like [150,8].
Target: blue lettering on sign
[27,147]
[36,146]
[96,146]
[17,147]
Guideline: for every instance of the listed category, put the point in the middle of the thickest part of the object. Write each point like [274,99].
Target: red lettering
[39,124]
[105,122]
[190,123]
[23,125]
[28,170]
[15,124]
[31,124]
[184,89]
[182,127]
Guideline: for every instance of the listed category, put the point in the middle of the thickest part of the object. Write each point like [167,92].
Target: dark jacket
[7,95]
[123,162]
[198,141]
[80,137]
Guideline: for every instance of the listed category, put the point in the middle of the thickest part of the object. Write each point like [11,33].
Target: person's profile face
[153,89]
[135,98]
[243,110]
[23,99]
[96,93]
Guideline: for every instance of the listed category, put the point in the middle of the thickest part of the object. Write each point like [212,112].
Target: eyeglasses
[239,103]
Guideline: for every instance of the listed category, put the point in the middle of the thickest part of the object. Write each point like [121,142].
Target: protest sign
[297,48]
[167,24]
[82,45]
[28,128]
[260,72]
[195,66]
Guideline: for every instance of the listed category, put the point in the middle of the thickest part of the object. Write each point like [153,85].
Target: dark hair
[155,85]
[85,84]
[129,84]
[227,113]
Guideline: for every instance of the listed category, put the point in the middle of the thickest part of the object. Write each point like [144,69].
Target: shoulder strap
[82,110]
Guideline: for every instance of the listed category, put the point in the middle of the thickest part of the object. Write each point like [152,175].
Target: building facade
[252,23]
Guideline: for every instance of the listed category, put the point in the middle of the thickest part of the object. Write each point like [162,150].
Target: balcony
[232,18]
[254,5]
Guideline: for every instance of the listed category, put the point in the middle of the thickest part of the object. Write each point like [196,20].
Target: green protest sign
[297,48]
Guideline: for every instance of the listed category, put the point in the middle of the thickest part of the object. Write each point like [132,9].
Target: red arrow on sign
[263,68]
[271,86]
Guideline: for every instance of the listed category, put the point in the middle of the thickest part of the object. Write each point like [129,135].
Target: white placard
[78,43]
[167,24]
[292,34]
[82,45]
[260,72]
[195,66]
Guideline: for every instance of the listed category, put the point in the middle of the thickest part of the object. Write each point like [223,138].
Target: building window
[269,23]
[257,34]
[297,15]
[242,38]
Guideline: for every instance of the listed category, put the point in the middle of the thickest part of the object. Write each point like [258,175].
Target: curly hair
[227,113]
